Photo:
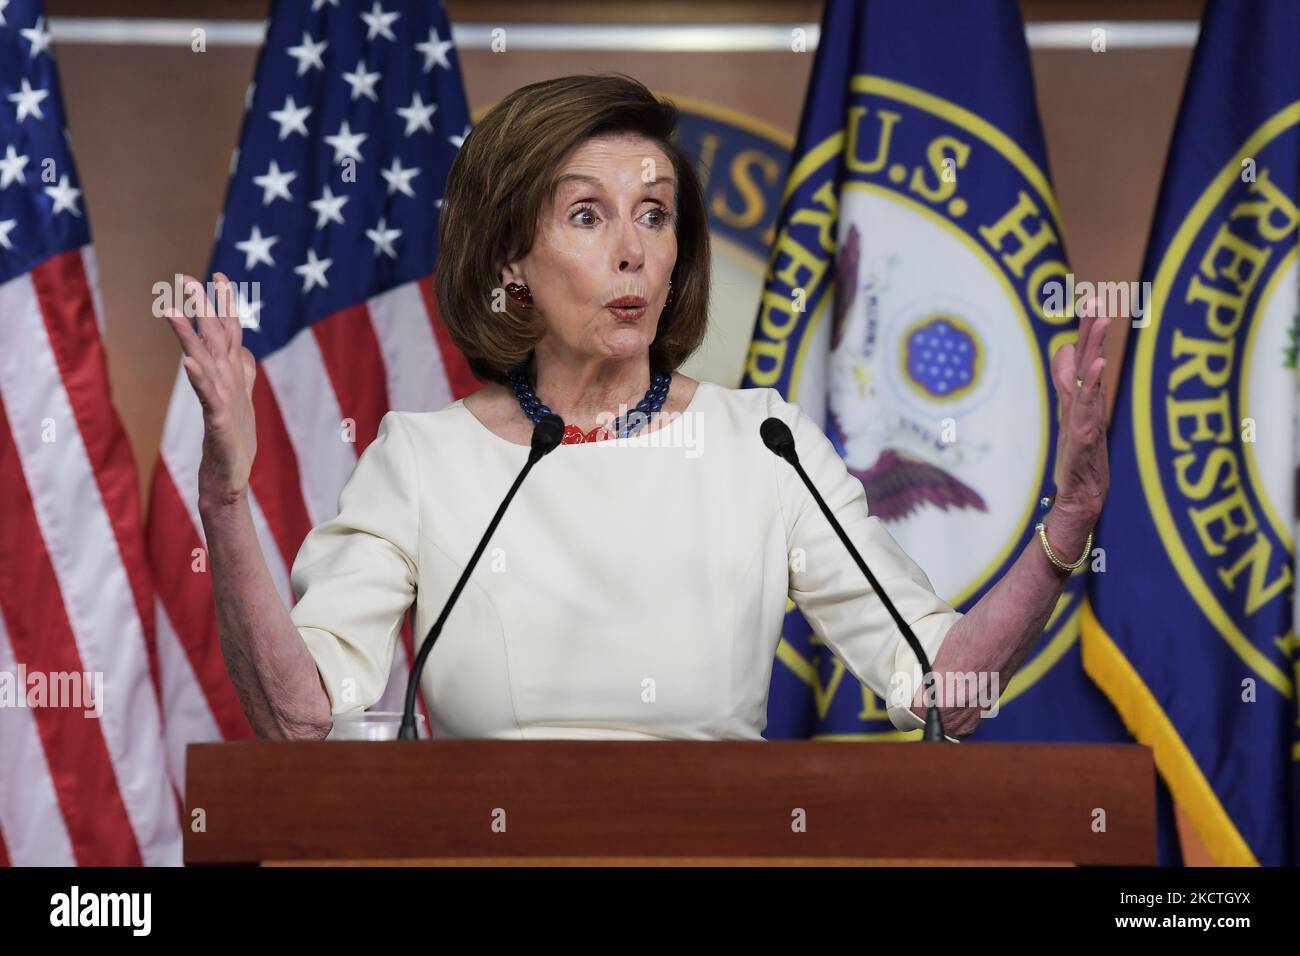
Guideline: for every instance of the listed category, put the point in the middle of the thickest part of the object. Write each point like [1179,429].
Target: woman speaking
[637,586]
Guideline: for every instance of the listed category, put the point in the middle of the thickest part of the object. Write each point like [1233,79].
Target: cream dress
[635,589]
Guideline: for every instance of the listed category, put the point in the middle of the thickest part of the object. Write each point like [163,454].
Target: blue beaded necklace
[533,407]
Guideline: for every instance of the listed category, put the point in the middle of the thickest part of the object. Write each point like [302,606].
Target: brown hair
[495,194]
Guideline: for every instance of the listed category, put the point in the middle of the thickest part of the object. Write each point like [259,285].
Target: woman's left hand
[1082,465]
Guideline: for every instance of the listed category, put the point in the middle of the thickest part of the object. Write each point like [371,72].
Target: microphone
[777,437]
[547,434]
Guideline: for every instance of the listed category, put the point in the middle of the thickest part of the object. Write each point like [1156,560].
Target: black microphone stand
[777,436]
[546,436]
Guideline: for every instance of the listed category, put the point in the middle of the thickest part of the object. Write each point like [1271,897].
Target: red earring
[520,293]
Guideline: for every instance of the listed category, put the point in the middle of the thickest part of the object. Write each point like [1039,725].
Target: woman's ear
[510,272]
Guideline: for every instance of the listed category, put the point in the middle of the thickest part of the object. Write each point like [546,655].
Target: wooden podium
[667,802]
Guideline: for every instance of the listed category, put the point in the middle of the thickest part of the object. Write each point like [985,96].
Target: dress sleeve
[356,573]
[828,587]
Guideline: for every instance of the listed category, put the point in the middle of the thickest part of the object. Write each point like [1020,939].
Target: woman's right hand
[222,373]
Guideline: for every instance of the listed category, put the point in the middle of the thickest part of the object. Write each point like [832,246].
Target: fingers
[1087,313]
[250,369]
[229,311]
[199,381]
[1092,336]
[1090,412]
[1096,340]
[212,340]
[1063,366]
[191,344]
[211,330]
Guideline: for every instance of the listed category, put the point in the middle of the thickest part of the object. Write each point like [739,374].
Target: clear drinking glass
[371,725]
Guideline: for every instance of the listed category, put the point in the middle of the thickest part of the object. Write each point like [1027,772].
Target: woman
[637,586]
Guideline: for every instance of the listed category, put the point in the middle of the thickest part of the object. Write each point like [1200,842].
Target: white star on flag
[3,4]
[328,208]
[64,196]
[308,54]
[317,4]
[346,143]
[383,238]
[399,179]
[313,271]
[6,227]
[29,101]
[275,184]
[362,83]
[458,141]
[249,309]
[435,51]
[417,114]
[11,168]
[379,22]
[290,118]
[257,248]
[39,37]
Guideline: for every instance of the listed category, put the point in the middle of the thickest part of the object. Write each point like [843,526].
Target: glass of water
[371,725]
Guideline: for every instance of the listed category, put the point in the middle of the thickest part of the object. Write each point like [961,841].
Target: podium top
[1041,803]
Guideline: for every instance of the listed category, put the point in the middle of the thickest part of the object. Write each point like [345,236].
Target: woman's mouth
[629,307]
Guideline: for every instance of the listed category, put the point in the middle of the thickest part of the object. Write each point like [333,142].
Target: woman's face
[608,233]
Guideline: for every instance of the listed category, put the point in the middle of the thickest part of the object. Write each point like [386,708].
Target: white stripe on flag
[310,410]
[182,445]
[416,381]
[31,820]
[90,265]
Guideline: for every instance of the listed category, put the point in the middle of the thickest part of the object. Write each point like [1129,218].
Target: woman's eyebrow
[565,178]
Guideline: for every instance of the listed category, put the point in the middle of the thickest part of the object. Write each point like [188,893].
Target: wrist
[1076,513]
[1067,537]
[216,502]
[1069,526]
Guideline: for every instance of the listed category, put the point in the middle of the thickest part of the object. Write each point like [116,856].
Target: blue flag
[1191,630]
[906,307]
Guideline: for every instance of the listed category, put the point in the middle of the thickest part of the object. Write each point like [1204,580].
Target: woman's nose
[629,250]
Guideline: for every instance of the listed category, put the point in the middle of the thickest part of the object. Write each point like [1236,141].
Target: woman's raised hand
[222,373]
[1082,465]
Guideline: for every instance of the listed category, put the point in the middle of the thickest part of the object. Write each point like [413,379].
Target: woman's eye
[585,211]
[660,217]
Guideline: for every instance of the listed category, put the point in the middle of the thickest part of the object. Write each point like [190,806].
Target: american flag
[75,596]
[353,119]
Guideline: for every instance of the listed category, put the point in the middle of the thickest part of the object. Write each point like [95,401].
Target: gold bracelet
[1051,555]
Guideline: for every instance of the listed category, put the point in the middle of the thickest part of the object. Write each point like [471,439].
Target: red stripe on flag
[275,479]
[459,376]
[354,363]
[67,305]
[4,851]
[187,597]
[31,600]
